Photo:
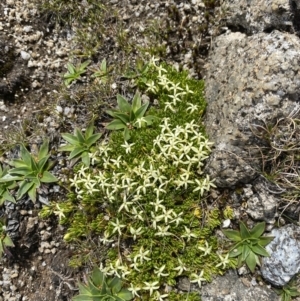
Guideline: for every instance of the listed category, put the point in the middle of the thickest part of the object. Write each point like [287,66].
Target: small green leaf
[132,116]
[18,163]
[245,253]
[83,66]
[97,277]
[244,232]
[123,104]
[142,110]
[258,230]
[11,185]
[115,285]
[89,131]
[236,250]
[123,117]
[68,81]
[43,152]
[42,164]
[26,156]
[125,295]
[126,134]
[145,68]
[71,68]
[265,240]
[24,188]
[76,152]
[111,112]
[1,248]
[116,125]
[233,235]
[93,139]
[32,193]
[150,119]
[8,242]
[71,139]
[83,297]
[103,65]
[293,292]
[259,250]
[251,261]
[79,136]
[21,171]
[10,178]
[66,148]
[8,197]
[48,177]
[85,159]
[83,289]
[136,102]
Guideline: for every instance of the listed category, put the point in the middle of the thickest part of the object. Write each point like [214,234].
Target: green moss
[145,198]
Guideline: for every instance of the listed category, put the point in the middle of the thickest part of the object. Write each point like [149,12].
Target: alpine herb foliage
[29,172]
[288,292]
[6,187]
[103,289]
[249,244]
[80,144]
[75,72]
[127,116]
[5,240]
[145,197]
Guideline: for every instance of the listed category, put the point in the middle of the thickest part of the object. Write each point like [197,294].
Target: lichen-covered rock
[284,260]
[250,82]
[231,287]
[261,15]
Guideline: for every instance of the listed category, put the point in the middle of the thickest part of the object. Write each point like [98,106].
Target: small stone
[27,28]
[36,84]
[59,109]
[67,111]
[25,55]
[14,275]
[226,223]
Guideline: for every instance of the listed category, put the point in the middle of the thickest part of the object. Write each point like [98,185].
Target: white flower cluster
[183,147]
[176,92]
[128,185]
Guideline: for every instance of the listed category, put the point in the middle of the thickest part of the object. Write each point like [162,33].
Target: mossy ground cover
[144,199]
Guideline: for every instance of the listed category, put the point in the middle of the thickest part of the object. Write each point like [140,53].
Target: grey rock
[250,82]
[261,202]
[260,15]
[284,260]
[230,287]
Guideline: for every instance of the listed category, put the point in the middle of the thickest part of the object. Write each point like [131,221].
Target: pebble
[59,109]
[25,55]
[27,28]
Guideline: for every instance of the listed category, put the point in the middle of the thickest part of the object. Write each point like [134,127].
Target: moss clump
[145,197]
